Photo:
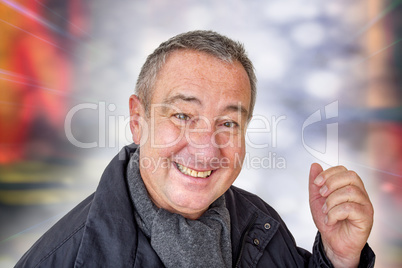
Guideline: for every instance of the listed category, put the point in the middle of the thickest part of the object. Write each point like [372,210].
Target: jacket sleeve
[319,259]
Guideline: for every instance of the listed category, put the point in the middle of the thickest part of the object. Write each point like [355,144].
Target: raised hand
[342,212]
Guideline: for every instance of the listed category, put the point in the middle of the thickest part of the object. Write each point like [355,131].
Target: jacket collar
[110,233]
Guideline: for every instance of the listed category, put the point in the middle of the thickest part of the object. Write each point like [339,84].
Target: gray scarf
[181,242]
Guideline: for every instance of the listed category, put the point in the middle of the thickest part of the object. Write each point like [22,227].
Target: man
[169,202]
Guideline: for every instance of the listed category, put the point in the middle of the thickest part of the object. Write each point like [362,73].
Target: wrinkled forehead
[187,70]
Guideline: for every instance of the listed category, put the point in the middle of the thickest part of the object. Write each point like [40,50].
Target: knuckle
[348,207]
[371,213]
[343,168]
[352,173]
[351,190]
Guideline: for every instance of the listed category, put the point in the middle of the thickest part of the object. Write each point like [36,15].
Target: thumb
[315,170]
[315,198]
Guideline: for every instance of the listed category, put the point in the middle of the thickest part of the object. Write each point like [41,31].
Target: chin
[192,204]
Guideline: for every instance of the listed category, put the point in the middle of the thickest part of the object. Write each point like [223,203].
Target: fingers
[346,197]
[354,212]
[335,178]
[323,176]
[347,194]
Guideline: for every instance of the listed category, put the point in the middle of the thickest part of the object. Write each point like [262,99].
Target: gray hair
[209,42]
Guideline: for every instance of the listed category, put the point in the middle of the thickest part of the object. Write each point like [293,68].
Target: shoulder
[63,238]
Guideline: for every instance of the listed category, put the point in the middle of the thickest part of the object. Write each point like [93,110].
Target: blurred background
[67,69]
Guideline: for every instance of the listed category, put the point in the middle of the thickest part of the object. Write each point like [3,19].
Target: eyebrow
[181,97]
[237,108]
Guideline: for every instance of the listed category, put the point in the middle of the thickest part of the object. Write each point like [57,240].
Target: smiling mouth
[193,173]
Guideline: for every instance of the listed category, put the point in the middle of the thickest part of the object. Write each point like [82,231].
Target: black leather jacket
[101,232]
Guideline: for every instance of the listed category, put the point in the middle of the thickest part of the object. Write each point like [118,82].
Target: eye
[182,116]
[230,124]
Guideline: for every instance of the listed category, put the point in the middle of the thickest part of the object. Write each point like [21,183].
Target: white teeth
[193,173]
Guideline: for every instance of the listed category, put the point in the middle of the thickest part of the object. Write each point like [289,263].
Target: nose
[201,140]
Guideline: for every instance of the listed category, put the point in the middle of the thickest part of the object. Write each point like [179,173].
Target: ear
[137,114]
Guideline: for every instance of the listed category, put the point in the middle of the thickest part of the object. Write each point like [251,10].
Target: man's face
[196,128]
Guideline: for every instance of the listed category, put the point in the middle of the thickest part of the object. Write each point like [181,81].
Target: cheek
[225,139]
[233,141]
[234,151]
[166,138]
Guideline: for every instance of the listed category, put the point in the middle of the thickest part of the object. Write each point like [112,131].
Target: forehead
[205,76]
